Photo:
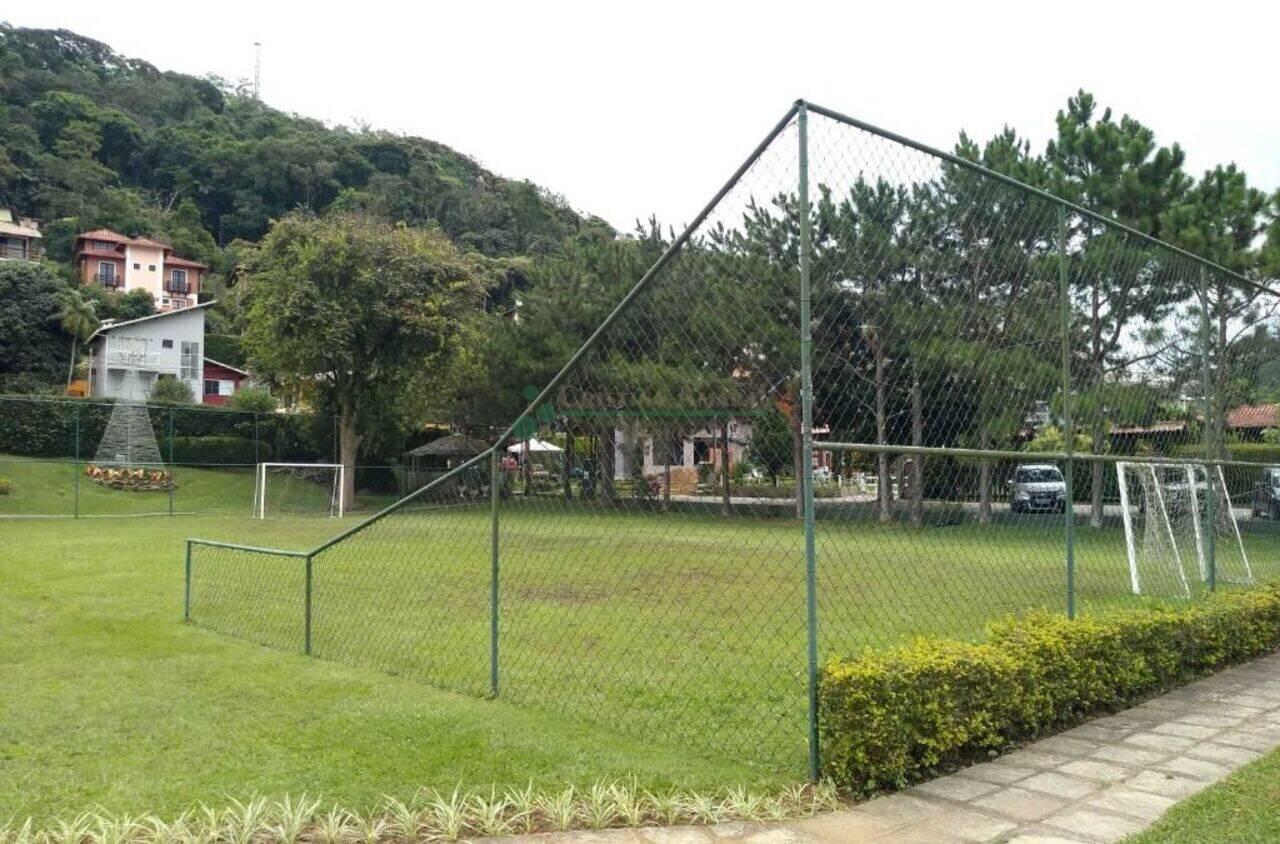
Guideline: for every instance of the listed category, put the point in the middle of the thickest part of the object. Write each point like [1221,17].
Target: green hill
[92,138]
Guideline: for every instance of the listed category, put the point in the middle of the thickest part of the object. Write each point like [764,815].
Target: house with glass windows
[127,358]
[118,263]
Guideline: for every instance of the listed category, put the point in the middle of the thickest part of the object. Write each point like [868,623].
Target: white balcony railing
[132,359]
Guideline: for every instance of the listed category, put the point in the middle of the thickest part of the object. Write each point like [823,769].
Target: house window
[102,244]
[212,387]
[178,281]
[137,266]
[166,344]
[191,363]
[668,451]
[106,272]
[151,268]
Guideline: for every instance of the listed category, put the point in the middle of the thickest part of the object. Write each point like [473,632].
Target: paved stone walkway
[1101,781]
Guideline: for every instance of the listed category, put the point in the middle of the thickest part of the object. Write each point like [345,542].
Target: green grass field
[1245,807]
[665,645]
[109,699]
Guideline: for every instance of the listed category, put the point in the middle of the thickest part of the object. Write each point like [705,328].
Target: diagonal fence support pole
[1210,550]
[495,497]
[1068,425]
[806,461]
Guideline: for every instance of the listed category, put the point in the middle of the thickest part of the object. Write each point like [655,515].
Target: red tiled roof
[1153,428]
[1255,416]
[103,234]
[100,253]
[175,261]
[146,241]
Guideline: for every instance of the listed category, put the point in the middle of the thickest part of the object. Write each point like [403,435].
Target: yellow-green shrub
[892,716]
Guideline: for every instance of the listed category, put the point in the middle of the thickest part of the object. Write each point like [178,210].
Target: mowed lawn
[670,645]
[684,628]
[109,699]
[1245,807]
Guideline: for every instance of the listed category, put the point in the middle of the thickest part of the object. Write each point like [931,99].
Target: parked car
[1266,495]
[1179,492]
[1037,487]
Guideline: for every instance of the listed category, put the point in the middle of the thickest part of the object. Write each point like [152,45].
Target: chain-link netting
[1014,404]
[103,458]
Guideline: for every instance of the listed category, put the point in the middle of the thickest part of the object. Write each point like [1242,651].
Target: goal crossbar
[260,484]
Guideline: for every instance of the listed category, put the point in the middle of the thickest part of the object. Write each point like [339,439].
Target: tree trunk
[984,481]
[797,455]
[607,447]
[882,435]
[71,369]
[666,471]
[1096,477]
[917,460]
[568,463]
[348,446]
[725,503]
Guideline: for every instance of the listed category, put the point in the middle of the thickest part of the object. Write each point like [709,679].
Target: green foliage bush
[172,391]
[893,716]
[218,450]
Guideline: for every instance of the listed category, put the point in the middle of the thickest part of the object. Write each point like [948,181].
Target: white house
[127,358]
[688,450]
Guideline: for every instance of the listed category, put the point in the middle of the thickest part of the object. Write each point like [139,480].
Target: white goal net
[298,489]
[1178,517]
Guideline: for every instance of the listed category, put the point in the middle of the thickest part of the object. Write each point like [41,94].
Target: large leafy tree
[352,313]
[1118,282]
[32,346]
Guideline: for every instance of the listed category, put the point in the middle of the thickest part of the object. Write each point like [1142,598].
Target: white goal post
[329,477]
[1173,514]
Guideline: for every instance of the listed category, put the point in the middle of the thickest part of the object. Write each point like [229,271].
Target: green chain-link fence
[872,391]
[56,455]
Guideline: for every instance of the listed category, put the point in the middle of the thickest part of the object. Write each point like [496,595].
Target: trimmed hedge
[219,450]
[894,716]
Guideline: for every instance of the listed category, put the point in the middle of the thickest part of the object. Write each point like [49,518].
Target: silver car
[1037,488]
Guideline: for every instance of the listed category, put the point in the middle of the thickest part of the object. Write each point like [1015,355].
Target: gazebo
[427,462]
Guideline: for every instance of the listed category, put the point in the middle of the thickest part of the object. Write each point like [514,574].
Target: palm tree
[78,319]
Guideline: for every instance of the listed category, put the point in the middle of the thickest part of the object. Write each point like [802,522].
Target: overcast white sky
[639,108]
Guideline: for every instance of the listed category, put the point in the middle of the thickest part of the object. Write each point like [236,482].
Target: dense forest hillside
[91,138]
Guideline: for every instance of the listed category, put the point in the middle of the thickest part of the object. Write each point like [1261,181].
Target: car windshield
[1042,475]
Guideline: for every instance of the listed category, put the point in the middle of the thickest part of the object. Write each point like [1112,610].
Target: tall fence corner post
[495,498]
[186,591]
[1068,422]
[306,609]
[806,467]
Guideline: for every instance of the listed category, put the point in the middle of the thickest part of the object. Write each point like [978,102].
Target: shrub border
[891,717]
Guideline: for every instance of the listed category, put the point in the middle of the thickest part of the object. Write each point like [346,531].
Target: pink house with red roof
[119,263]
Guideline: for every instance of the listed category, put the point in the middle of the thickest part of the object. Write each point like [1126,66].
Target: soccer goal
[284,489]
[1174,516]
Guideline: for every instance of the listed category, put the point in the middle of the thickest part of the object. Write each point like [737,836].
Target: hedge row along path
[1102,781]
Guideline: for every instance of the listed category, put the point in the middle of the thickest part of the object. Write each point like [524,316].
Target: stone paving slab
[1096,783]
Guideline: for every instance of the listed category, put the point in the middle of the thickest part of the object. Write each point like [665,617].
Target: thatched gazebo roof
[454,445]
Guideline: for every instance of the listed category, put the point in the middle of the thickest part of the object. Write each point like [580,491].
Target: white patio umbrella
[534,445]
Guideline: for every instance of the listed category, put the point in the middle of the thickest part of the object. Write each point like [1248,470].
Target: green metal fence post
[806,467]
[1068,424]
[186,589]
[495,494]
[306,608]
[171,461]
[76,483]
[1209,436]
